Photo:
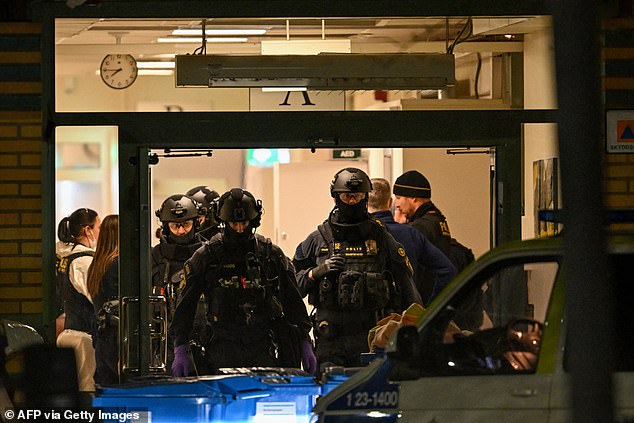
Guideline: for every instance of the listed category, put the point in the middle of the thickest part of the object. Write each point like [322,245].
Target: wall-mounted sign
[280,100]
[346,153]
[620,131]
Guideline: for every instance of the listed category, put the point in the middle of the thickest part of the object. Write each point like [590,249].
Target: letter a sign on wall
[620,131]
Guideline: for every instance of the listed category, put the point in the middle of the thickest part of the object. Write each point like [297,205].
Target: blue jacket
[423,255]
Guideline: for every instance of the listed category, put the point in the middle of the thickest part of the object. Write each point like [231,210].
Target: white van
[491,348]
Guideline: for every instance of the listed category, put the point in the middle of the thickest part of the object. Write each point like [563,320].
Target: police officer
[179,219]
[353,272]
[254,307]
[412,198]
[206,198]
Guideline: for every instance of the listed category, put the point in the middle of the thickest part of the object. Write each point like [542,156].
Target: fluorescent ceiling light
[278,89]
[280,47]
[200,40]
[155,65]
[219,31]
[156,72]
[162,56]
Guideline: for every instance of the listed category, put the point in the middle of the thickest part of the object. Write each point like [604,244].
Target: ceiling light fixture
[193,31]
[199,40]
[327,71]
[282,89]
[156,72]
[155,65]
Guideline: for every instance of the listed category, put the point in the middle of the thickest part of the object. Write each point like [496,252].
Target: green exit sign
[346,153]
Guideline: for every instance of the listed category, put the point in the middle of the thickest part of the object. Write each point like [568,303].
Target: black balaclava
[352,213]
[187,239]
[351,232]
[237,238]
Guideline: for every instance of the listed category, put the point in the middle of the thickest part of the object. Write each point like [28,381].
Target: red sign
[625,131]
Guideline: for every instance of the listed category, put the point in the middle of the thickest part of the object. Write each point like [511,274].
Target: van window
[494,325]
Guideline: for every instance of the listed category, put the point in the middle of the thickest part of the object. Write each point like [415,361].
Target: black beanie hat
[412,184]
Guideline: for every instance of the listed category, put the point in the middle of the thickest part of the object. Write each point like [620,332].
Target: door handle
[524,392]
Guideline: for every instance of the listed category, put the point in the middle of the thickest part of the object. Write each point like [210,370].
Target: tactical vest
[80,314]
[243,290]
[364,285]
[62,267]
[171,257]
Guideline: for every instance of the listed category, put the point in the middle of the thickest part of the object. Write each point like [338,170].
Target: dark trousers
[342,350]
[106,356]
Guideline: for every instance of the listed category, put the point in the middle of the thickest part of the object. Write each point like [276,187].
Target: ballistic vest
[62,267]
[242,290]
[365,284]
[80,314]
[171,257]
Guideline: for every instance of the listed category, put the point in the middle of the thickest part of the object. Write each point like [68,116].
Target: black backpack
[460,255]
[62,266]
[469,316]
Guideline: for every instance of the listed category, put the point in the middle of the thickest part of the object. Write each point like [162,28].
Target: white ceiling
[140,37]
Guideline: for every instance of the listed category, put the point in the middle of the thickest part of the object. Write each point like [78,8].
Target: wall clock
[118,71]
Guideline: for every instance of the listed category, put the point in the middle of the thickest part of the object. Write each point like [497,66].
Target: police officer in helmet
[251,293]
[179,221]
[178,215]
[353,272]
[207,200]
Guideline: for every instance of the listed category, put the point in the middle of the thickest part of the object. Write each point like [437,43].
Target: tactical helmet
[203,195]
[207,199]
[350,179]
[238,205]
[177,208]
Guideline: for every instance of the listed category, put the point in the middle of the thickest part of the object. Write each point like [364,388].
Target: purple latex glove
[309,361]
[180,365]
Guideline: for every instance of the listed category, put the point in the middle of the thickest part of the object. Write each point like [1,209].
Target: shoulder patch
[408,264]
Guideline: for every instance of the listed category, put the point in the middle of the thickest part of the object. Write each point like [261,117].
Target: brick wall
[618,83]
[20,173]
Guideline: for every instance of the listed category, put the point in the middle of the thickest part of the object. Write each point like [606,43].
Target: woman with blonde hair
[103,286]
[78,234]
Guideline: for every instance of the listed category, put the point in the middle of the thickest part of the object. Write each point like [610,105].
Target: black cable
[477,75]
[458,39]
[203,47]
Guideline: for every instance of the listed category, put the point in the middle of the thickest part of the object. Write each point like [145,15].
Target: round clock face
[118,71]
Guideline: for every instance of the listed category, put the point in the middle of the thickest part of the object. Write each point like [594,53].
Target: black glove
[332,264]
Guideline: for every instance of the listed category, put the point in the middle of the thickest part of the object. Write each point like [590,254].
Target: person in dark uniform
[431,266]
[206,199]
[353,271]
[412,197]
[179,219]
[256,316]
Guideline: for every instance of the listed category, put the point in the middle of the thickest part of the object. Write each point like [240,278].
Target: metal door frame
[139,132]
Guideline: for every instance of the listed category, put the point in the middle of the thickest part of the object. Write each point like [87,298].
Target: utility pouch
[350,290]
[326,294]
[377,291]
